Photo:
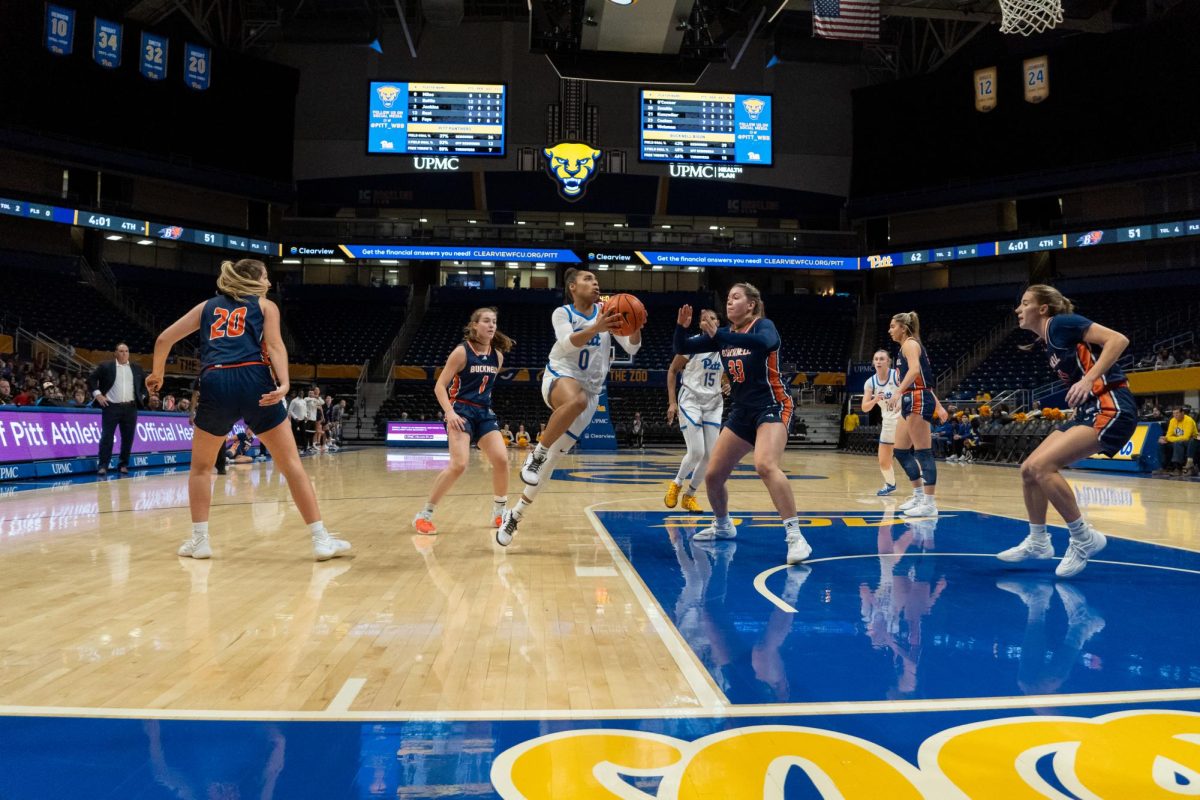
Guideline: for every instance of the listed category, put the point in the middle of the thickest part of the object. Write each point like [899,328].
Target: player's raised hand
[684,320]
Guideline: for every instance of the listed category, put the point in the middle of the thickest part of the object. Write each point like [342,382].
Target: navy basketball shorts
[480,421]
[919,402]
[227,395]
[745,421]
[1113,415]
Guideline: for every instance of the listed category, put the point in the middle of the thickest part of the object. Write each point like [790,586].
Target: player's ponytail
[246,277]
[910,321]
[500,341]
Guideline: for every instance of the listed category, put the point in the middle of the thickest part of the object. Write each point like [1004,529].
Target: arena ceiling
[917,35]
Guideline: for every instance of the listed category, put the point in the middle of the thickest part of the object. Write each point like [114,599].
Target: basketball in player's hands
[633,313]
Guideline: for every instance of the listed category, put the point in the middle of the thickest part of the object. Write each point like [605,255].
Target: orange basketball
[631,310]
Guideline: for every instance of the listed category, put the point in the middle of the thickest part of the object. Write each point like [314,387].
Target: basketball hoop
[1029,16]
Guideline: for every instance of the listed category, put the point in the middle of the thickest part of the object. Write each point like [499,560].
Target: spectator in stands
[1156,413]
[155,403]
[404,416]
[6,370]
[1165,360]
[184,406]
[1188,358]
[1176,444]
[1146,409]
[298,413]
[119,386]
[28,394]
[51,396]
[943,437]
[850,422]
[6,397]
[960,432]
[1003,414]
[637,431]
[168,402]
[79,399]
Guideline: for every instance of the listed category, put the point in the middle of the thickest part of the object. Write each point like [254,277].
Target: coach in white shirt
[298,411]
[119,387]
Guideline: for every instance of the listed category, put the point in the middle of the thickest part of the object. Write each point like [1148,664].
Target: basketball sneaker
[926,508]
[918,497]
[798,547]
[1079,551]
[688,503]
[672,494]
[887,489]
[424,525]
[195,547]
[1030,547]
[326,546]
[507,528]
[715,531]
[530,472]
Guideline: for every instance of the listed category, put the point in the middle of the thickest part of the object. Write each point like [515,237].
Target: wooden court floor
[97,612]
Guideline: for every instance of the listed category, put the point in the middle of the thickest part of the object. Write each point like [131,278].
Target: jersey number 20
[231,324]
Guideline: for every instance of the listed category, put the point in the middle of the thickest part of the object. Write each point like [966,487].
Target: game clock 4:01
[454,119]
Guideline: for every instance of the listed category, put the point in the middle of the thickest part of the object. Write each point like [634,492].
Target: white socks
[1038,533]
[1078,528]
[199,530]
[317,529]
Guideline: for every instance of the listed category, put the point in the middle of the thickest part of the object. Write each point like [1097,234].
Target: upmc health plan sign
[417,434]
[60,435]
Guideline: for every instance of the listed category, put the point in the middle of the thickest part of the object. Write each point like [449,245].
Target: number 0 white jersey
[885,391]
[588,364]
[702,378]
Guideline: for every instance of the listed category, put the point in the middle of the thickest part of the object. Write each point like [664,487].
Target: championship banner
[197,66]
[154,56]
[985,89]
[1037,79]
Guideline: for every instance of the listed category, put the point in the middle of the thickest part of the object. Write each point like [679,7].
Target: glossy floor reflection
[914,609]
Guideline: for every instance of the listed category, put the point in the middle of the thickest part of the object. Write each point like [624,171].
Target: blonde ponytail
[910,321]
[246,277]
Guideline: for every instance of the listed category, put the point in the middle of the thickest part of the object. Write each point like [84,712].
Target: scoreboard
[699,127]
[459,119]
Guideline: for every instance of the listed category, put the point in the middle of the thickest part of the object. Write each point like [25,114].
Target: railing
[948,379]
[58,355]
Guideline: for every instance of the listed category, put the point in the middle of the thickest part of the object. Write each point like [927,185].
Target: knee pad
[908,462]
[928,467]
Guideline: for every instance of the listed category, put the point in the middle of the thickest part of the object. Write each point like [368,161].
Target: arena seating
[343,324]
[46,294]
[166,294]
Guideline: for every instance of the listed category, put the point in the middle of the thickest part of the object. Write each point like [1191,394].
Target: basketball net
[1025,17]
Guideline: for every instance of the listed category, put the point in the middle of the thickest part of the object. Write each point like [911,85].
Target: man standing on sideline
[119,387]
[298,412]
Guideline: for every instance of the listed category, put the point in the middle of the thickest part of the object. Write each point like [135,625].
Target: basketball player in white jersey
[699,406]
[572,383]
[878,389]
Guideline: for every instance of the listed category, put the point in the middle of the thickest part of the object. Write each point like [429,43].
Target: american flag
[846,19]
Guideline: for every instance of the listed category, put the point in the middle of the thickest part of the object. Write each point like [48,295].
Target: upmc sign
[435,163]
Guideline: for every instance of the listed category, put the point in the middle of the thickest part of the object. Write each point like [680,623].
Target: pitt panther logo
[388,94]
[571,165]
[753,106]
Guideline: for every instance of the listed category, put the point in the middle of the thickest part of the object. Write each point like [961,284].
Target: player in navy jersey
[464,391]
[760,410]
[1084,354]
[240,347]
[917,405]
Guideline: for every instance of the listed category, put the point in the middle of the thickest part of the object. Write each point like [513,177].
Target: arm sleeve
[562,328]
[764,337]
[628,346]
[691,345]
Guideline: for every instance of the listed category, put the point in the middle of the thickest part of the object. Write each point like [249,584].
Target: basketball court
[604,653]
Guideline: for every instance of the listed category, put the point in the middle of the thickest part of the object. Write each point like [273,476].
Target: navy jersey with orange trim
[926,374]
[231,332]
[1071,357]
[474,382]
[751,360]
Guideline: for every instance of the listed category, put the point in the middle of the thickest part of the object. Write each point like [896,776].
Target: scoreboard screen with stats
[453,119]
[706,127]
